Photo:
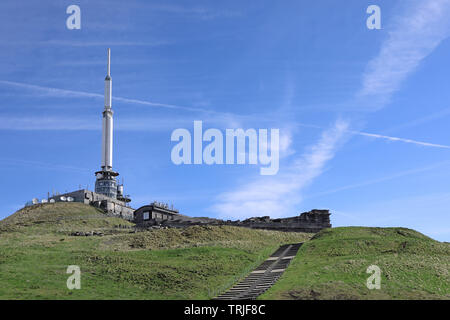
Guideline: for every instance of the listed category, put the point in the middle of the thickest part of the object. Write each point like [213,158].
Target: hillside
[333,266]
[36,247]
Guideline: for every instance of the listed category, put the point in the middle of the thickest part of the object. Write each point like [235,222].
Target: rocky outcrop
[86,234]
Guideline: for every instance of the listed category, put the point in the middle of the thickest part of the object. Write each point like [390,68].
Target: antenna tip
[109,62]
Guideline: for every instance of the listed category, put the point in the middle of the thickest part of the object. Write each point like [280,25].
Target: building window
[146,215]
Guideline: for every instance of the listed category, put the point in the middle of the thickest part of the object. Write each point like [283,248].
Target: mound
[333,266]
[59,217]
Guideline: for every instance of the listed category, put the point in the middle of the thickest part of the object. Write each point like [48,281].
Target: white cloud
[412,38]
[283,148]
[278,195]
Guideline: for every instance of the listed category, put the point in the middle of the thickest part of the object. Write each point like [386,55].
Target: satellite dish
[62,198]
[69,199]
[44,201]
[34,200]
[52,201]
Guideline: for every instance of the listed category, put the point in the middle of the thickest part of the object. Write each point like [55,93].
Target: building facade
[155,213]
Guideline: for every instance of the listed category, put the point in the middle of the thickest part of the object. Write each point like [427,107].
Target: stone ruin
[312,221]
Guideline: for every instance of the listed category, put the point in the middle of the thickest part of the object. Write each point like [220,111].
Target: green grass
[193,263]
[200,262]
[333,266]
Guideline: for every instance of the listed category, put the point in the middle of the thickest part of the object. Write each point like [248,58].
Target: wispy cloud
[68,43]
[88,123]
[44,165]
[196,11]
[113,43]
[278,195]
[380,180]
[51,91]
[430,117]
[415,34]
[138,124]
[49,123]
[53,123]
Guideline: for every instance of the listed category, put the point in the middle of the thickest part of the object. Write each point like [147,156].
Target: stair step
[264,276]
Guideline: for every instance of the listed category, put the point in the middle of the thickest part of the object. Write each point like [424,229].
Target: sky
[362,113]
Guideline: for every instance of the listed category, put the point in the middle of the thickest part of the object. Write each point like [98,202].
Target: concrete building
[155,213]
[111,206]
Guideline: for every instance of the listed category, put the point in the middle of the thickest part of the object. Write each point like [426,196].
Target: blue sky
[362,113]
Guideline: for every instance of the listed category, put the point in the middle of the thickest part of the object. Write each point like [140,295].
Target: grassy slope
[333,266]
[36,248]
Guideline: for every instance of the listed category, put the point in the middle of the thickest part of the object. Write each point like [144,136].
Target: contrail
[71,93]
[379,136]
[21,162]
[68,93]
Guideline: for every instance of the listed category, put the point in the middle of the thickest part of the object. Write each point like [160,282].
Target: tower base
[106,183]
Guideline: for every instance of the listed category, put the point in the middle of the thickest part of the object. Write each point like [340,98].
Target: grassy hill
[36,247]
[332,265]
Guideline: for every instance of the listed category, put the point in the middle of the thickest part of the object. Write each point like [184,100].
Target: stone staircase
[264,276]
